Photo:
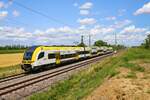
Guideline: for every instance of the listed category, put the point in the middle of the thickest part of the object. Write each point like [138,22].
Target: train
[37,57]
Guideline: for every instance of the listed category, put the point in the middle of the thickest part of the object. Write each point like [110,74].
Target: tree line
[98,43]
[13,47]
[146,43]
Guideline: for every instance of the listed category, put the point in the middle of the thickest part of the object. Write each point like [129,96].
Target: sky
[62,22]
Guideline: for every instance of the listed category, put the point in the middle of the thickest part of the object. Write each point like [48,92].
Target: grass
[133,67]
[11,51]
[80,84]
[84,82]
[133,55]
[76,86]
[10,70]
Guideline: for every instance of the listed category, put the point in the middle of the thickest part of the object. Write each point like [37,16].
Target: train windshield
[28,53]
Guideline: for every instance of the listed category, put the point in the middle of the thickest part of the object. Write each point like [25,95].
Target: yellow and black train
[37,57]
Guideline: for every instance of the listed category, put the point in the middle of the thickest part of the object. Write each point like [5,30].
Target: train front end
[27,59]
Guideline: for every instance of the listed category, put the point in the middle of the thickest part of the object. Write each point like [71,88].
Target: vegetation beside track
[84,82]
[10,70]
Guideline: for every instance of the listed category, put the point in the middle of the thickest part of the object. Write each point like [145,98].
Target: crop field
[10,59]
[10,64]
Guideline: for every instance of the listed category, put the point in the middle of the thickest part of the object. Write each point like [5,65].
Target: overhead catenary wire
[13,21]
[40,13]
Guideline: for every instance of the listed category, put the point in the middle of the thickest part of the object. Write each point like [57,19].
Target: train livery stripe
[35,53]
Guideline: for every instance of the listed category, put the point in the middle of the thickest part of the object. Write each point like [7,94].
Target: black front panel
[28,53]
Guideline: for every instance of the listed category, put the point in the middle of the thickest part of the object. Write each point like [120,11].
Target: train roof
[57,48]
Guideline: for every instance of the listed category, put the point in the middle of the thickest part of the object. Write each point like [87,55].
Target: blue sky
[67,20]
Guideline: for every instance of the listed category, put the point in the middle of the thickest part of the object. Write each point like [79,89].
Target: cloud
[3,14]
[133,29]
[144,10]
[125,39]
[86,6]
[56,35]
[51,30]
[64,29]
[87,21]
[60,32]
[14,33]
[82,27]
[84,12]
[63,35]
[15,13]
[129,36]
[75,4]
[68,35]
[147,33]
[121,24]
[101,30]
[51,35]
[111,18]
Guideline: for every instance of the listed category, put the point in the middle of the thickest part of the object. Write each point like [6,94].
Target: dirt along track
[22,87]
[10,59]
[121,88]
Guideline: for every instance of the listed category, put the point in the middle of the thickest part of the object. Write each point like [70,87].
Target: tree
[118,47]
[81,45]
[146,44]
[100,43]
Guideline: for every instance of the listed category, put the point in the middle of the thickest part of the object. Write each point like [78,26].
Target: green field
[83,83]
[11,51]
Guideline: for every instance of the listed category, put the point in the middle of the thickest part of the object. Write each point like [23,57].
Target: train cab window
[41,55]
[27,55]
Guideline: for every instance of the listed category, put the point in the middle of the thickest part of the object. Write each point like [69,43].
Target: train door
[57,57]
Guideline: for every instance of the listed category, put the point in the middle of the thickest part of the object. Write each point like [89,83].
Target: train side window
[68,56]
[41,55]
[83,52]
[51,56]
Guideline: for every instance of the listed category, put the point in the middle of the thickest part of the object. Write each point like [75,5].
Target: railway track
[23,83]
[12,77]
[5,79]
